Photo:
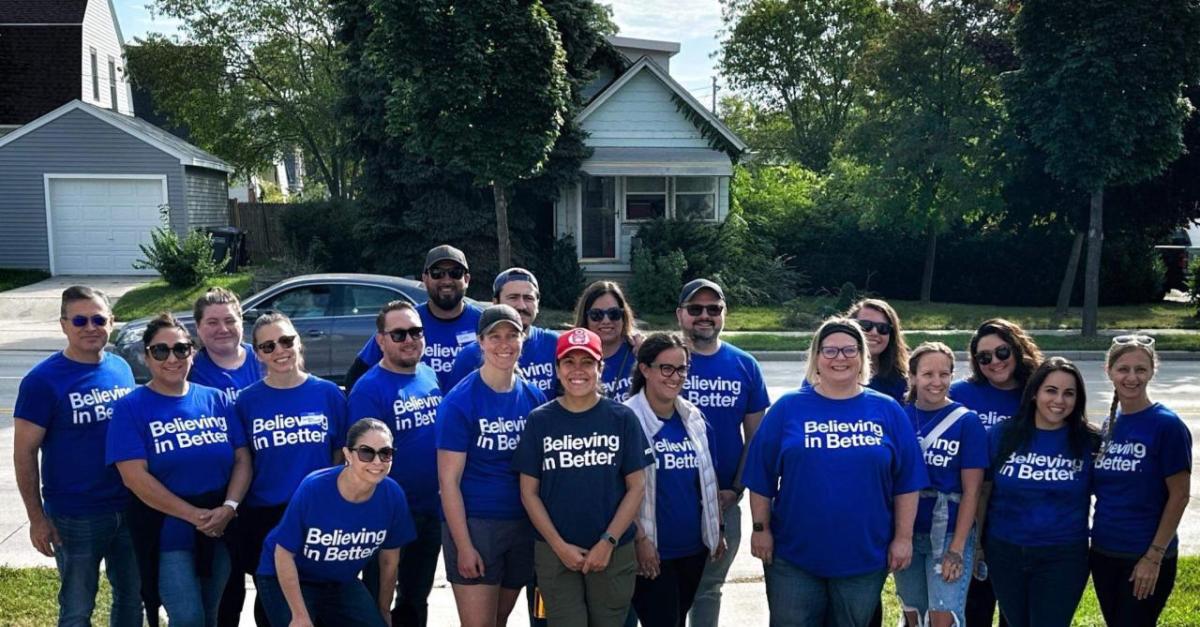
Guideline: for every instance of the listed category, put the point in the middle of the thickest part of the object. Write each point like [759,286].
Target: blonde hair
[1115,352]
[914,359]
[833,325]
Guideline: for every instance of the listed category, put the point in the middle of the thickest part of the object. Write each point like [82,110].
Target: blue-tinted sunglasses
[82,321]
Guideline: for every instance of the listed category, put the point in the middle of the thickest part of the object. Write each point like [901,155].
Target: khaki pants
[592,600]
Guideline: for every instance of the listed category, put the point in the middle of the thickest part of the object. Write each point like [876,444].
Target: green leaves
[181,263]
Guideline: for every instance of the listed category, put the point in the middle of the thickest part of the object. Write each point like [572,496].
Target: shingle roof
[41,65]
[42,11]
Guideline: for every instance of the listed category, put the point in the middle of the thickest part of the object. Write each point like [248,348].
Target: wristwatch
[233,505]
[759,527]
[610,537]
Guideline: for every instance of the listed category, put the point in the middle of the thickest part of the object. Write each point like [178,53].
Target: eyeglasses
[713,310]
[160,352]
[268,347]
[882,328]
[82,321]
[985,357]
[1126,340]
[398,335]
[454,273]
[367,454]
[613,313]
[849,351]
[668,370]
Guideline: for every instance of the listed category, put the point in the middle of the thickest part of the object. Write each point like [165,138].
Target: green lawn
[157,296]
[11,278]
[959,341]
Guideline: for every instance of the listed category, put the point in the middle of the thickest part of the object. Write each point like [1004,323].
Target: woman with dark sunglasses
[604,310]
[180,449]
[295,423]
[885,343]
[336,521]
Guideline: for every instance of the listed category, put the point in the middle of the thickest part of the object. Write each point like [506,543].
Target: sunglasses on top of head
[882,328]
[985,357]
[713,310]
[82,321]
[453,273]
[160,352]
[367,454]
[613,313]
[1136,338]
[398,335]
[268,347]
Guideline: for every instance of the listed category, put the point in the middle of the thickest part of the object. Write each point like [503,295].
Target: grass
[959,341]
[12,278]
[157,296]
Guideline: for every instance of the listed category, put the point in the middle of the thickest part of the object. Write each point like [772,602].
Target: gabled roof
[645,64]
[40,66]
[187,154]
[42,11]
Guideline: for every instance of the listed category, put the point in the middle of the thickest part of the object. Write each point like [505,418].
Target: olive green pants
[574,599]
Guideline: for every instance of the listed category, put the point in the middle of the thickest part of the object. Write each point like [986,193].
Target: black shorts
[505,546]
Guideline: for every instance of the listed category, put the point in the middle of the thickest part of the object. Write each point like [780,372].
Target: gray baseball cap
[695,285]
[445,252]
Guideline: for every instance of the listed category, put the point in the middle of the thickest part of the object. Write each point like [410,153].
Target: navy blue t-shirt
[291,433]
[893,386]
[1041,494]
[73,402]
[963,446]
[536,363]
[617,377]
[206,372]
[443,341]
[677,500]
[581,460]
[408,405]
[833,468]
[187,441]
[487,425]
[331,538]
[726,386]
[993,405]
[1147,447]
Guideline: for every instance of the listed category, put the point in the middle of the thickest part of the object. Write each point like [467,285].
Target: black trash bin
[229,240]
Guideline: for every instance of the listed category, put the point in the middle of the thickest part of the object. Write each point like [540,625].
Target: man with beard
[726,383]
[449,320]
[403,393]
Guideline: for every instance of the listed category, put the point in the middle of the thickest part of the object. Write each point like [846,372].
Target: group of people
[599,468]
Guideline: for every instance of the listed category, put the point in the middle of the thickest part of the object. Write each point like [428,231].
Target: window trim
[95,60]
[112,81]
[714,193]
[668,184]
[618,214]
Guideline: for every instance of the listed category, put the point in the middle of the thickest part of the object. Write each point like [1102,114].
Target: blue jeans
[706,608]
[799,599]
[921,587]
[1037,586]
[337,603]
[86,540]
[418,563]
[191,601]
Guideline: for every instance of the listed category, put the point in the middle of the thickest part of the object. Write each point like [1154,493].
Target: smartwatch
[610,538]
[759,527]
[233,505]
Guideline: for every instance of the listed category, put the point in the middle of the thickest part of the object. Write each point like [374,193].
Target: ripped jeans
[920,586]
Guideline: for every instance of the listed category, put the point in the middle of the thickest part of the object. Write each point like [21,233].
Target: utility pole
[714,97]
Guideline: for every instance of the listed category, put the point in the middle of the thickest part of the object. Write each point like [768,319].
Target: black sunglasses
[160,352]
[268,347]
[985,357]
[82,321]
[882,328]
[398,335]
[455,273]
[668,370]
[367,454]
[613,313]
[713,310]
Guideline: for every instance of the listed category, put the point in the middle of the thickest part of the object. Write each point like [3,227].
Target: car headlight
[129,336]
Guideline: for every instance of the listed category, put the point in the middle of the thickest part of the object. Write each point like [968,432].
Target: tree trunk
[504,251]
[930,256]
[1068,281]
[1091,272]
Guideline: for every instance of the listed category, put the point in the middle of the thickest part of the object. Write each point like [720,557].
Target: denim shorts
[505,546]
[920,586]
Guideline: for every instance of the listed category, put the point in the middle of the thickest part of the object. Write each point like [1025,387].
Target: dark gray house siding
[207,197]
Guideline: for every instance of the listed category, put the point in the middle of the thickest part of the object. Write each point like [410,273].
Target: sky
[691,23]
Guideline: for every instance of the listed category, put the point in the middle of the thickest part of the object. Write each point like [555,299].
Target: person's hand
[762,546]
[300,621]
[217,521]
[44,536]
[979,568]
[470,564]
[647,558]
[722,546]
[199,517]
[571,556]
[597,557]
[387,616]
[726,499]
[637,338]
[952,565]
[1145,576]
[899,554]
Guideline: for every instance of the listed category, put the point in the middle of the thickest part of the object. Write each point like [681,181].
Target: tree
[801,57]
[1100,89]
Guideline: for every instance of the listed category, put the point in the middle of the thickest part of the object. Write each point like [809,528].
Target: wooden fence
[264,230]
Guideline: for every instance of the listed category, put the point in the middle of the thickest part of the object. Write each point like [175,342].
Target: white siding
[100,31]
[642,113]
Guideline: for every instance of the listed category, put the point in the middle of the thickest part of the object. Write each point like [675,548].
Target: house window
[645,197]
[598,218]
[696,197]
[112,82]
[95,76]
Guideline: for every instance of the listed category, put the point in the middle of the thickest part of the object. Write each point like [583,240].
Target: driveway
[29,315]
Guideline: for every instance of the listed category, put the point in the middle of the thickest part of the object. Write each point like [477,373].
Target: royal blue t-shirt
[617,377]
[408,405]
[833,468]
[487,425]
[726,386]
[291,433]
[678,507]
[1147,447]
[993,405]
[536,363]
[331,538]
[206,372]
[893,386]
[443,341]
[73,402]
[187,441]
[1041,494]
[581,460]
[963,446]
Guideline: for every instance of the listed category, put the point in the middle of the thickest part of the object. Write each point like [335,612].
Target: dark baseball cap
[695,285]
[497,314]
[445,252]
[513,274]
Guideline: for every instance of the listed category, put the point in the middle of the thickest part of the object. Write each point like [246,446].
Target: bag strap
[941,427]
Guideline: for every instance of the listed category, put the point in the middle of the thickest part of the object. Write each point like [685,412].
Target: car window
[309,301]
[365,300]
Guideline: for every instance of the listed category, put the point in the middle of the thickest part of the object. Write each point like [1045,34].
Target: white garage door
[97,223]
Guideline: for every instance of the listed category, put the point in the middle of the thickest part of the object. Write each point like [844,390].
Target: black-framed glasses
[82,321]
[849,351]
[398,335]
[882,328]
[669,370]
[160,352]
[612,313]
[454,273]
[367,454]
[1121,340]
[712,310]
[268,347]
[985,357]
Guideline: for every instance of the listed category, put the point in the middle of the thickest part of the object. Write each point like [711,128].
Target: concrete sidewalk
[29,314]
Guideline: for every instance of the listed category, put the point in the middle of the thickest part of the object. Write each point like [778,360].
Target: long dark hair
[1018,432]
[1025,350]
[592,294]
[894,360]
[651,348]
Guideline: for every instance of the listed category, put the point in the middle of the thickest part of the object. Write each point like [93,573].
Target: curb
[962,356]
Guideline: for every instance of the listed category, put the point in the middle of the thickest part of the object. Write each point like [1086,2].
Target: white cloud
[691,23]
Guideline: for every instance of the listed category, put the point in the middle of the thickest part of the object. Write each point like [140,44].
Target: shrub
[1193,282]
[558,274]
[181,263]
[324,235]
[657,278]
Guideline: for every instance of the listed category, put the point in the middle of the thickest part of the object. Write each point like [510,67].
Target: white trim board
[46,178]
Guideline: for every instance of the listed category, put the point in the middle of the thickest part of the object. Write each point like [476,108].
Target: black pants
[981,604]
[1038,586]
[1110,576]
[418,561]
[665,600]
[254,523]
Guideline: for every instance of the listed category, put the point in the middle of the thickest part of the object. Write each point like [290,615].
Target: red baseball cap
[578,339]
